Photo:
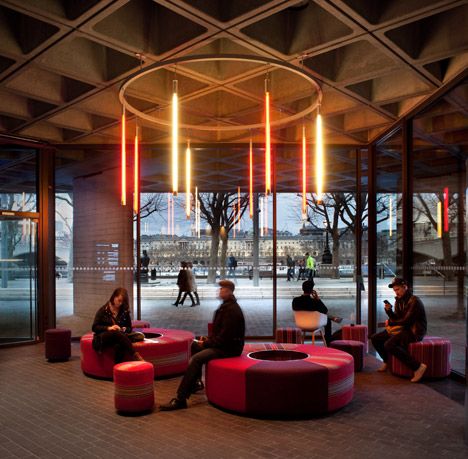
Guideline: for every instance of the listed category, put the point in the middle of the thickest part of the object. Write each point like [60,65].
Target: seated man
[410,318]
[226,340]
[310,301]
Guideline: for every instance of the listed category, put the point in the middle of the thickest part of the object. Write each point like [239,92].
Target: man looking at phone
[310,301]
[406,324]
[225,340]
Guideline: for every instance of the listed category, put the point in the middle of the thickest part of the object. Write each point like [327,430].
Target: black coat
[307,303]
[228,332]
[104,319]
[410,313]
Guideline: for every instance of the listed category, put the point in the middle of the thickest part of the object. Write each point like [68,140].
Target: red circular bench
[282,380]
[167,349]
[433,351]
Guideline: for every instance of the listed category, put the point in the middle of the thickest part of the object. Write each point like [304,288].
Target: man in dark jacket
[310,301]
[410,315]
[225,340]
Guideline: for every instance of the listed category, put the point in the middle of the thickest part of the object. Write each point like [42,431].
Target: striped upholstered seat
[133,384]
[433,351]
[289,335]
[356,333]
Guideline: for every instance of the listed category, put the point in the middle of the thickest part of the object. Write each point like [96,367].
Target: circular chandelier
[180,65]
[241,101]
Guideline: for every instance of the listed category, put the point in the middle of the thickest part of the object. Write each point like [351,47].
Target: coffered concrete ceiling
[62,64]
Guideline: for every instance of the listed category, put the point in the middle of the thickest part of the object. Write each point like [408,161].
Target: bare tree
[336,209]
[151,203]
[219,210]
[11,230]
[426,205]
[67,198]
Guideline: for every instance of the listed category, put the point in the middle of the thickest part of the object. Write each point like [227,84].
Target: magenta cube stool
[354,348]
[433,351]
[133,384]
[289,335]
[57,344]
[356,333]
[140,324]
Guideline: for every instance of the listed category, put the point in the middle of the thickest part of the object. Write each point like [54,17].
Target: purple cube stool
[356,333]
[289,335]
[57,344]
[354,348]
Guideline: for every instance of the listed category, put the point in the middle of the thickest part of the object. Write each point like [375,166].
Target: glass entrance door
[18,279]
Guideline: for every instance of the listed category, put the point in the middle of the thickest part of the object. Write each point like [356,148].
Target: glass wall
[439,208]
[326,231]
[219,240]
[18,243]
[388,217]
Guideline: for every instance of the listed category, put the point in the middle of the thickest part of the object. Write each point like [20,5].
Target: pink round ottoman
[133,384]
[140,324]
[281,380]
[167,349]
[356,333]
[354,348]
[57,344]
[433,351]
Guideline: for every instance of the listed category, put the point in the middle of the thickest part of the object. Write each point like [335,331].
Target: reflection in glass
[18,279]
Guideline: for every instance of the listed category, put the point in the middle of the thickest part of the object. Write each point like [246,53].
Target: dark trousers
[328,333]
[200,356]
[191,297]
[396,345]
[183,299]
[290,274]
[120,342]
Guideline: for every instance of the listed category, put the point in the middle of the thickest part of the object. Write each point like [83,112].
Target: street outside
[256,301]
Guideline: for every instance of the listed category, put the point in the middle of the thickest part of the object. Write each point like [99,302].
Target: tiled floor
[52,410]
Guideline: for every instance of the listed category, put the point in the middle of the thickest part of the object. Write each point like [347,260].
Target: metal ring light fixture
[272,63]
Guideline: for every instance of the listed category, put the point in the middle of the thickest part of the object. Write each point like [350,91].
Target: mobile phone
[387,302]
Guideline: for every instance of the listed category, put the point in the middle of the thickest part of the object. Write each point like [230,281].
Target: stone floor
[52,410]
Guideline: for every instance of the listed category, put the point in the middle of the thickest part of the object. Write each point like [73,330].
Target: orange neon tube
[267,145]
[123,157]
[175,140]
[250,179]
[188,167]
[439,219]
[304,175]
[136,181]
[319,158]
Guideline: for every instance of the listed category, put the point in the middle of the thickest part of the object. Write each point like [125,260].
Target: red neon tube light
[446,207]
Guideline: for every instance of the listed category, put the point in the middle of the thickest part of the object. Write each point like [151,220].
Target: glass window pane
[439,229]
[18,179]
[389,218]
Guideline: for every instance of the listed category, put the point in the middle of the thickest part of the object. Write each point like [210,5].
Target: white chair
[311,321]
